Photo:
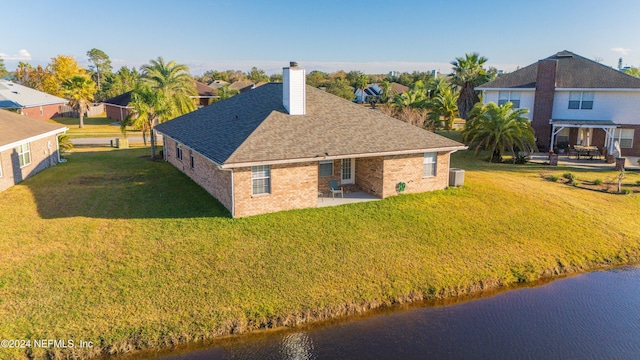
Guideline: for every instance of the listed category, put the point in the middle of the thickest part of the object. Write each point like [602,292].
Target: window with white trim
[581,100]
[179,151]
[625,137]
[24,154]
[509,96]
[325,168]
[261,179]
[429,163]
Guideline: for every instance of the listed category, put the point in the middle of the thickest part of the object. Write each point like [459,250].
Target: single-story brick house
[277,146]
[28,101]
[26,146]
[117,108]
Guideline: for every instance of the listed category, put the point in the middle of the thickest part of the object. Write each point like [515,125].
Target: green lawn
[112,248]
[93,127]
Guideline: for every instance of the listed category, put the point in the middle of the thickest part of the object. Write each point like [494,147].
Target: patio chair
[335,189]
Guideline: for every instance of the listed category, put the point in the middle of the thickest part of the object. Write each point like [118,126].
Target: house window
[562,140]
[179,151]
[581,100]
[261,179]
[625,137]
[429,164]
[191,157]
[325,168]
[509,96]
[24,154]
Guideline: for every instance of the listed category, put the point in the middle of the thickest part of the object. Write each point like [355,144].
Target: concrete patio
[631,162]
[353,197]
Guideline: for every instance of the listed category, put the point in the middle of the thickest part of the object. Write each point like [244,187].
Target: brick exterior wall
[293,186]
[48,111]
[369,175]
[543,104]
[635,151]
[205,173]
[113,112]
[41,158]
[408,169]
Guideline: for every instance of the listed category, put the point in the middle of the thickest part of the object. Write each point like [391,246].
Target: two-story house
[573,101]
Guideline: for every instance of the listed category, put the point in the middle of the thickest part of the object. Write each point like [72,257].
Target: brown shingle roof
[205,90]
[573,71]
[255,127]
[14,127]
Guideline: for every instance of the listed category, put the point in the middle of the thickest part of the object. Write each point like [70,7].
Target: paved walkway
[107,140]
[354,197]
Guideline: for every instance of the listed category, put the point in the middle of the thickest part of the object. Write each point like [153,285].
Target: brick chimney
[294,89]
[543,103]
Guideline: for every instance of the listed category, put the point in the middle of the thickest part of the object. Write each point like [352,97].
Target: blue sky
[372,36]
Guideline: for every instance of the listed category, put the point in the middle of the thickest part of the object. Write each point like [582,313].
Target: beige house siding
[42,156]
[293,186]
[408,169]
[205,173]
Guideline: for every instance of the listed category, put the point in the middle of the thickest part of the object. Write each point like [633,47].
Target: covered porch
[587,138]
[356,177]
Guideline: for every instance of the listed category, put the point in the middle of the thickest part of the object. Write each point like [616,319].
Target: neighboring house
[215,84]
[573,101]
[205,94]
[277,146]
[375,90]
[117,108]
[26,147]
[242,86]
[28,101]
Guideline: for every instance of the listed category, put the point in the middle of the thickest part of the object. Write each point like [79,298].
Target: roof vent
[564,54]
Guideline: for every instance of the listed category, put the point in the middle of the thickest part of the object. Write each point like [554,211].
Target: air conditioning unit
[456,177]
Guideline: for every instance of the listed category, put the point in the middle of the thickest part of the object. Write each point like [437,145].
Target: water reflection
[297,346]
[590,316]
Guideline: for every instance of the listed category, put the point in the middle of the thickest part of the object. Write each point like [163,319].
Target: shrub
[553,178]
[626,191]
[521,158]
[638,182]
[597,182]
[568,176]
[575,183]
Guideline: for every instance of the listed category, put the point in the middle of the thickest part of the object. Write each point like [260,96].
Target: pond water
[588,316]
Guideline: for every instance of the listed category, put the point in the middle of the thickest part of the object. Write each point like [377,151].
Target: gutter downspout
[233,193]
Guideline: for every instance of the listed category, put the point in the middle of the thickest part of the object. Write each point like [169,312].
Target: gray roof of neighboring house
[573,71]
[120,100]
[241,86]
[255,127]
[14,127]
[16,96]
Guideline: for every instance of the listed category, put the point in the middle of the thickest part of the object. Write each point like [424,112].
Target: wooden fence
[94,110]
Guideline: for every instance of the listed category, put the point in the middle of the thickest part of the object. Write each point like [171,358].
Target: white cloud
[621,50]
[23,54]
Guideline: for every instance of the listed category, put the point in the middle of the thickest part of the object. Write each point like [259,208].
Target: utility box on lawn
[456,177]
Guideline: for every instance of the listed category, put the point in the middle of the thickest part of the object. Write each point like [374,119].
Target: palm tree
[411,98]
[468,72]
[80,90]
[362,82]
[388,92]
[163,95]
[444,106]
[498,129]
